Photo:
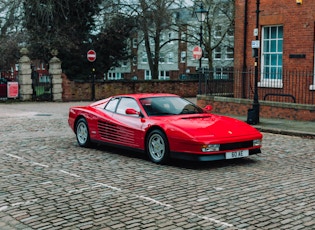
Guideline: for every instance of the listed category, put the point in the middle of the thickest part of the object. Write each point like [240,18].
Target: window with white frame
[170,57]
[164,75]
[162,38]
[144,57]
[147,75]
[162,58]
[271,53]
[174,17]
[217,53]
[218,31]
[230,32]
[134,61]
[221,73]
[170,37]
[124,63]
[229,53]
[183,57]
[183,37]
[114,76]
[134,42]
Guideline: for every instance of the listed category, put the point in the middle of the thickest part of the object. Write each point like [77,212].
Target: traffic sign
[91,55]
[197,52]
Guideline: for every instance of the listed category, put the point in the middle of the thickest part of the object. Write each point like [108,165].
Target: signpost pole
[197,54]
[91,56]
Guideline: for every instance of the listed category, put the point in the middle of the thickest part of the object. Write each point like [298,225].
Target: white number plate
[237,154]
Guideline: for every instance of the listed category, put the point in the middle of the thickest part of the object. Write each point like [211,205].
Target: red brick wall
[275,110]
[82,91]
[298,25]
[298,35]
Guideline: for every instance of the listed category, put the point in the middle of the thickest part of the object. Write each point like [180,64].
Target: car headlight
[257,142]
[210,148]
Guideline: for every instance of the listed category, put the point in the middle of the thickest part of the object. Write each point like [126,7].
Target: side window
[112,104]
[127,103]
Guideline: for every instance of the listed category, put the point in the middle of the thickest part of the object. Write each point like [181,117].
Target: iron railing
[287,86]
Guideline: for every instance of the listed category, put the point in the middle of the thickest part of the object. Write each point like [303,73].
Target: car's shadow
[198,165]
[211,164]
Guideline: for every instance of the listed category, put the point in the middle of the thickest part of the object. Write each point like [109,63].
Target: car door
[129,126]
[106,126]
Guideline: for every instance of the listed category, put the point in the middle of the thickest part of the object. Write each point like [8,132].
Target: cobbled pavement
[48,182]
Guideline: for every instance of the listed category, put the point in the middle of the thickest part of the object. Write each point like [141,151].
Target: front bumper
[206,157]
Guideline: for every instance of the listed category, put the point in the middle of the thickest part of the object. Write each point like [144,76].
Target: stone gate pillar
[25,79]
[55,71]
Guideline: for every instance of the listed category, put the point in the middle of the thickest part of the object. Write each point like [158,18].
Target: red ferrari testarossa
[164,126]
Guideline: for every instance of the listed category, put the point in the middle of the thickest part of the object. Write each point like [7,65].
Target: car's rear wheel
[82,133]
[157,147]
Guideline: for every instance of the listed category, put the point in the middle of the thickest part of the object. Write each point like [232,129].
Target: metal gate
[42,86]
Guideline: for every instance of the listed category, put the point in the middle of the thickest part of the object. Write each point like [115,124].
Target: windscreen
[159,106]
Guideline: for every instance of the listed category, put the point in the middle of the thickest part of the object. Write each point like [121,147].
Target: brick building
[286,45]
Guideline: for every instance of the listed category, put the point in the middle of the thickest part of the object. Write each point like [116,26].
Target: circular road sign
[197,52]
[91,55]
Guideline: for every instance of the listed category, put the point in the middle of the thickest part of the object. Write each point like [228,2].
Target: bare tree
[154,17]
[11,32]
[218,25]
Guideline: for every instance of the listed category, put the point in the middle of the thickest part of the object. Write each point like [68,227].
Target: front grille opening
[236,145]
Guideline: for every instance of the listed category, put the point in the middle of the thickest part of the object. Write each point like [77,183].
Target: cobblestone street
[49,182]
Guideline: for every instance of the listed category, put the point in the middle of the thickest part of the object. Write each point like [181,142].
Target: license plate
[237,154]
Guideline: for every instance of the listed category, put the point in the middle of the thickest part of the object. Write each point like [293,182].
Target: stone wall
[235,106]
[25,76]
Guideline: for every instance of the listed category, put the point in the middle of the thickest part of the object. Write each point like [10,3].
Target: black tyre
[157,147]
[82,133]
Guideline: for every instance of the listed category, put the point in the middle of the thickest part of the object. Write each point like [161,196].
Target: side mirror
[208,108]
[132,112]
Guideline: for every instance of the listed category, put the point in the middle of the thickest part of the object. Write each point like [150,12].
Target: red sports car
[164,126]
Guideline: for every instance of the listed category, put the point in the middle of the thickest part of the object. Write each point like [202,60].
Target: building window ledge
[270,84]
[312,87]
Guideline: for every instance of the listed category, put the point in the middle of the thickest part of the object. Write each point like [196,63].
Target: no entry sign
[91,55]
[197,52]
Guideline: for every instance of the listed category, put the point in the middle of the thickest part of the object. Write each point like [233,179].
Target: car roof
[146,95]
[136,96]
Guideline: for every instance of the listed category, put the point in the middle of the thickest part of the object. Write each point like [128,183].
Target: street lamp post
[253,114]
[256,106]
[201,14]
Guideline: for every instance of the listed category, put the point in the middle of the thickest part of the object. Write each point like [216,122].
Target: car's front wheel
[157,147]
[82,133]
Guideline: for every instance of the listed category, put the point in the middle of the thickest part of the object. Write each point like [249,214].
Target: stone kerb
[56,71]
[25,80]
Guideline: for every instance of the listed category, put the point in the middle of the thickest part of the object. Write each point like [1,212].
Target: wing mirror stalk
[208,108]
[133,112]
